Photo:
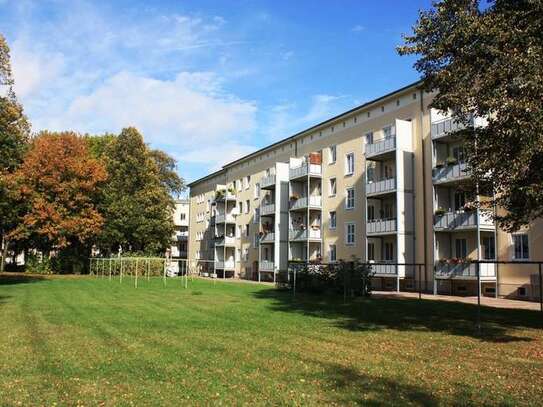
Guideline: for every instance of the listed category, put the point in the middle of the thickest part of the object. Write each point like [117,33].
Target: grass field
[88,341]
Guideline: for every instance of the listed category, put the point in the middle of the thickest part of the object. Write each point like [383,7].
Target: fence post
[164,274]
[110,259]
[540,290]
[420,293]
[294,285]
[121,275]
[478,270]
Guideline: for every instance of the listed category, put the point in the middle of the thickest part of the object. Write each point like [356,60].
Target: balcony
[225,265]
[443,128]
[182,236]
[268,209]
[381,226]
[224,195]
[222,218]
[225,241]
[381,147]
[384,269]
[450,173]
[267,182]
[266,265]
[381,187]
[465,271]
[304,234]
[314,202]
[267,238]
[305,170]
[451,221]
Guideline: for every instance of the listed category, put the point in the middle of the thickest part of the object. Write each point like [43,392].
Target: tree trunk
[5,243]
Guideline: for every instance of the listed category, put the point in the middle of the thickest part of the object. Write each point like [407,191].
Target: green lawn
[69,340]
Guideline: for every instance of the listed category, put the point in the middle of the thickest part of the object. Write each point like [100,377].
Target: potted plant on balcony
[294,197]
[231,191]
[451,160]
[470,207]
[219,194]
[440,164]
[440,212]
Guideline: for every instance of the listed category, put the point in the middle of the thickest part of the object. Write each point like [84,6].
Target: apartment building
[180,239]
[384,182]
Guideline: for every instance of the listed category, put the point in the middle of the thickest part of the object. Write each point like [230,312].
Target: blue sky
[207,81]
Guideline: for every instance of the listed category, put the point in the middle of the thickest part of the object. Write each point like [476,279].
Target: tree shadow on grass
[407,314]
[20,278]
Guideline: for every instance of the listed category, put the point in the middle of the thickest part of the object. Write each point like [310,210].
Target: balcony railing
[222,218]
[381,226]
[304,234]
[225,265]
[182,236]
[267,181]
[266,265]
[465,270]
[382,186]
[268,209]
[268,238]
[381,146]
[450,173]
[463,220]
[222,195]
[444,127]
[304,170]
[385,269]
[315,201]
[226,241]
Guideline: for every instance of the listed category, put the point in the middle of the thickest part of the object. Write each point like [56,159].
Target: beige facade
[382,182]
[181,218]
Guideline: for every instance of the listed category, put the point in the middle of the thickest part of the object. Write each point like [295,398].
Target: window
[247,206]
[332,252]
[247,230]
[349,234]
[238,231]
[255,240]
[461,248]
[257,191]
[333,187]
[240,204]
[388,132]
[371,212]
[459,200]
[256,217]
[370,174]
[246,254]
[371,251]
[521,247]
[389,171]
[183,216]
[458,153]
[521,291]
[489,252]
[389,251]
[369,137]
[333,220]
[333,155]
[349,164]
[388,211]
[349,198]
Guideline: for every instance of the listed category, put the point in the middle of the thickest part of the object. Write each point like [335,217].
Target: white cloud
[358,28]
[227,152]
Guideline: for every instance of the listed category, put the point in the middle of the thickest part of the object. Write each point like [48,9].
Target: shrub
[38,265]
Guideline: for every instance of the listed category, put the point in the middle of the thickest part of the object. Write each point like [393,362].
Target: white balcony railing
[267,181]
[305,169]
[465,270]
[443,127]
[463,220]
[385,269]
[450,173]
[382,186]
[304,234]
[268,209]
[381,226]
[222,218]
[268,238]
[266,265]
[381,146]
[314,201]
[226,265]
[226,241]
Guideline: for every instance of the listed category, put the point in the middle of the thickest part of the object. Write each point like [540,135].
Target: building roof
[312,128]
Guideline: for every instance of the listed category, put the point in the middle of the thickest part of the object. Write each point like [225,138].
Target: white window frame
[332,249]
[334,191]
[516,235]
[347,207]
[330,226]
[348,234]
[256,217]
[332,154]
[349,171]
[257,190]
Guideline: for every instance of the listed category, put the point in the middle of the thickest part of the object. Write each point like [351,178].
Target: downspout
[424,207]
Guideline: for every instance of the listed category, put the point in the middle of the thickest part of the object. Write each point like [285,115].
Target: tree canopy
[488,62]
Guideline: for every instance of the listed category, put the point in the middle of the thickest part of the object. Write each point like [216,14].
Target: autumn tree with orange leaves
[59,181]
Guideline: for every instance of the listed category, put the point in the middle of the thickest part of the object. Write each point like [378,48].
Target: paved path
[488,301]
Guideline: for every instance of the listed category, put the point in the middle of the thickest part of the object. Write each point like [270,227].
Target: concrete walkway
[487,301]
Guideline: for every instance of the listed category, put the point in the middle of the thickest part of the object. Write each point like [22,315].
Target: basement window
[521,291]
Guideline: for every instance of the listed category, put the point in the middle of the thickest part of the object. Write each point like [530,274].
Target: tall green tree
[137,205]
[486,60]
[14,135]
